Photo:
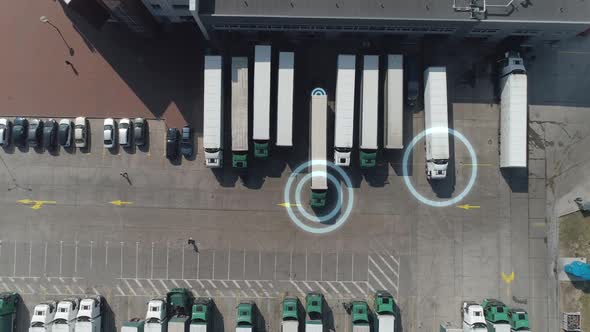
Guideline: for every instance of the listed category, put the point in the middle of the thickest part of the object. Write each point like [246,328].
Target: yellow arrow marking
[120,202]
[508,278]
[288,204]
[468,207]
[36,205]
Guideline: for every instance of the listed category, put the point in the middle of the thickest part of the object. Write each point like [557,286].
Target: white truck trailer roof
[319,115]
[436,111]
[314,327]
[369,102]
[285,99]
[386,323]
[178,324]
[239,104]
[261,92]
[243,329]
[394,102]
[513,121]
[290,326]
[212,103]
[362,328]
[345,84]
[198,328]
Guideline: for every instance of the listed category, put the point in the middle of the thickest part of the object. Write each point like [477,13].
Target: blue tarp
[578,269]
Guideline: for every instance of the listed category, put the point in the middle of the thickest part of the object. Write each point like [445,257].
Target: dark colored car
[50,134]
[413,81]
[19,131]
[186,142]
[35,133]
[172,143]
[64,133]
[139,131]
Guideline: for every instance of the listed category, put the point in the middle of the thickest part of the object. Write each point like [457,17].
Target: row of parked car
[126,133]
[47,134]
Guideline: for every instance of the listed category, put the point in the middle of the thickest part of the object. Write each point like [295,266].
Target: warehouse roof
[497,10]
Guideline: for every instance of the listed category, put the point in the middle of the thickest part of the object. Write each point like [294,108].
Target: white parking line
[69,290]
[200,283]
[154,287]
[14,267]
[120,290]
[30,256]
[5,286]
[380,270]
[130,288]
[377,280]
[163,284]
[212,284]
[307,285]
[175,283]
[95,291]
[296,286]
[223,283]
[31,290]
[188,284]
[237,285]
[333,288]
[45,260]
[358,287]
[389,266]
[321,287]
[56,289]
[345,288]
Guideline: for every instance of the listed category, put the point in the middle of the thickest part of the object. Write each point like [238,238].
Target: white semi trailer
[436,120]
[261,134]
[513,112]
[239,112]
[344,127]
[394,102]
[318,147]
[213,112]
[369,111]
[285,99]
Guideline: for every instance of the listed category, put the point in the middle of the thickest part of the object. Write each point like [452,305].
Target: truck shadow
[516,178]
[23,316]
[216,318]
[109,317]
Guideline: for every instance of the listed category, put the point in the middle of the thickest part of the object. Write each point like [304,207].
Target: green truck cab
[368,159]
[180,301]
[314,306]
[245,319]
[201,315]
[385,311]
[318,198]
[359,315]
[261,149]
[290,316]
[8,310]
[519,320]
[240,159]
[495,311]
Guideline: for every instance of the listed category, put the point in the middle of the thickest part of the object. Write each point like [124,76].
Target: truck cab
[89,318]
[245,319]
[495,311]
[156,316]
[519,320]
[290,315]
[43,315]
[180,301]
[512,63]
[359,315]
[201,315]
[8,311]
[384,312]
[65,317]
[314,307]
[473,318]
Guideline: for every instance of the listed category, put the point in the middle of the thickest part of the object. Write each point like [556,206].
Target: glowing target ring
[319,219]
[411,187]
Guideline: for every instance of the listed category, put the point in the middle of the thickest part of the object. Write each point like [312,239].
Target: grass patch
[574,236]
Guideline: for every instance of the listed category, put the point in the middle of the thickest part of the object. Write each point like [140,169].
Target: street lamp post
[44,19]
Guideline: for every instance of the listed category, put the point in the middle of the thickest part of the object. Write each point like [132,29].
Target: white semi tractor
[43,315]
[394,102]
[239,112]
[261,128]
[318,147]
[65,316]
[213,112]
[344,127]
[513,112]
[369,111]
[285,99]
[156,318]
[473,317]
[436,121]
[89,318]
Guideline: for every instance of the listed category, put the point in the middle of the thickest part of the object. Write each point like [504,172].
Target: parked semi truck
[359,315]
[394,103]
[156,318]
[436,119]
[8,311]
[133,325]
[496,315]
[513,111]
[473,318]
[239,112]
[384,312]
[285,99]
[213,112]
[261,134]
[519,320]
[245,321]
[43,315]
[314,319]
[369,111]
[201,315]
[318,147]
[344,126]
[65,316]
[290,317]
[180,303]
[89,318]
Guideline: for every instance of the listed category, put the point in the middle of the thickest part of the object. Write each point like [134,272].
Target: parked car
[65,133]
[139,131]
[5,130]
[125,132]
[80,132]
[19,131]
[50,134]
[172,143]
[186,142]
[413,81]
[109,134]
[35,133]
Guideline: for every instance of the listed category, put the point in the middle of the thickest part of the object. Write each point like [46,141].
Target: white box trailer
[239,111]
[285,99]
[213,111]
[289,326]
[436,116]
[513,112]
[394,102]
[369,111]
[261,134]
[318,146]
[344,126]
